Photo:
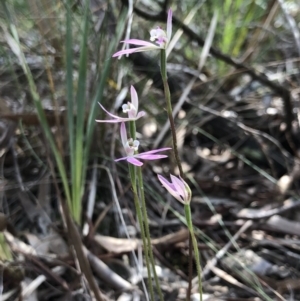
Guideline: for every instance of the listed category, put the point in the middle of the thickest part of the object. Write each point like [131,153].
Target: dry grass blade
[31,287]
[212,263]
[225,276]
[292,23]
[106,274]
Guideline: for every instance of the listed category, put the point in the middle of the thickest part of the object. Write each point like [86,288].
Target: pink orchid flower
[178,188]
[157,35]
[131,108]
[131,146]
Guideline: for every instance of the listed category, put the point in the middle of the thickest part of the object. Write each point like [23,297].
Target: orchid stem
[188,216]
[164,75]
[132,171]
[145,217]
[132,129]
[192,238]
[163,69]
[133,176]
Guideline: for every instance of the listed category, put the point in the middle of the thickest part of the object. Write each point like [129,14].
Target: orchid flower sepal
[150,155]
[131,108]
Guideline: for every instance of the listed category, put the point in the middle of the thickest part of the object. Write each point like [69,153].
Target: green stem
[189,289]
[132,171]
[164,75]
[132,129]
[133,176]
[188,216]
[147,231]
[163,69]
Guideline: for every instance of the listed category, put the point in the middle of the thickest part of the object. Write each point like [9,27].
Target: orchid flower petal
[134,161]
[133,50]
[150,157]
[112,115]
[114,120]
[179,189]
[131,160]
[121,159]
[178,184]
[139,43]
[156,150]
[117,118]
[140,114]
[127,51]
[170,187]
[134,98]
[165,182]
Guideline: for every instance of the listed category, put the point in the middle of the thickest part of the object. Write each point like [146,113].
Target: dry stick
[83,262]
[256,75]
[169,108]
[104,272]
[225,249]
[75,240]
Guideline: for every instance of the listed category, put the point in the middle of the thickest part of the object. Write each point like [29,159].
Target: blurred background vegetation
[238,131]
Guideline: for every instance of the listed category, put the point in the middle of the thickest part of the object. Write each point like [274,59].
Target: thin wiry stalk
[132,172]
[164,76]
[147,231]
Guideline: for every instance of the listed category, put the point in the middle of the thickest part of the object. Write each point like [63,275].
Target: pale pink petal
[120,159]
[114,120]
[179,186]
[117,118]
[126,51]
[157,150]
[164,181]
[186,191]
[133,50]
[170,187]
[138,42]
[114,116]
[134,161]
[131,160]
[169,25]
[140,114]
[149,156]
[134,98]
